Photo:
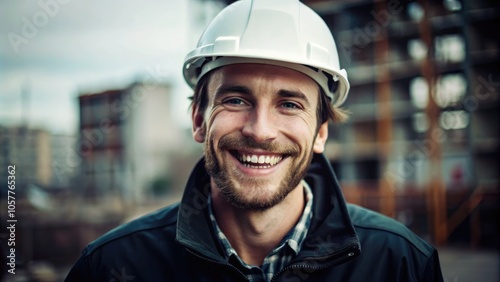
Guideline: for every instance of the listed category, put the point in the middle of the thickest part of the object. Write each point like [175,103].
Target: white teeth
[269,160]
[255,159]
[262,159]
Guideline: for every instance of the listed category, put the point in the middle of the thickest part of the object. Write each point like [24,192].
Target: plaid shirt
[280,256]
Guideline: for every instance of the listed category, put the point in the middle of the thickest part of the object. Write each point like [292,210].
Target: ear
[199,128]
[321,137]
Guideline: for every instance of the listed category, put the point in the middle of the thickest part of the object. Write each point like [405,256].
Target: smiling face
[260,130]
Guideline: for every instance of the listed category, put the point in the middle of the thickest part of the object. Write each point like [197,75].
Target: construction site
[421,144]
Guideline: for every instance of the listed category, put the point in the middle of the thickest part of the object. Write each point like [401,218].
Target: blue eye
[234,101]
[289,105]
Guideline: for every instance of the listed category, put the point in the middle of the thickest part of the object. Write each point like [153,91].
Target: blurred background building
[422,143]
[130,148]
[31,148]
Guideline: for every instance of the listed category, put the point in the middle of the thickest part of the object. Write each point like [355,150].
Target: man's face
[259,131]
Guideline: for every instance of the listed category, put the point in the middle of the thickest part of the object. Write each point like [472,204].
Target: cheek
[302,128]
[310,121]
[222,122]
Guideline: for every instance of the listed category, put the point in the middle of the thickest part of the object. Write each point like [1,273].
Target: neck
[254,234]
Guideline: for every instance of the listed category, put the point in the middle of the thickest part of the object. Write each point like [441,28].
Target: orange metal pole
[437,191]
[384,121]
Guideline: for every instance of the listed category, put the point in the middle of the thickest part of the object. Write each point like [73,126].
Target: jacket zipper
[337,261]
[218,262]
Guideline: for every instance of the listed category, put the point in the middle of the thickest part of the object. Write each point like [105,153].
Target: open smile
[256,160]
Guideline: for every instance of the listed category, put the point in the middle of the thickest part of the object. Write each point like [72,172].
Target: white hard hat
[285,33]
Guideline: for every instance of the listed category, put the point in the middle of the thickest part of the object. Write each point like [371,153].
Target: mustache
[242,143]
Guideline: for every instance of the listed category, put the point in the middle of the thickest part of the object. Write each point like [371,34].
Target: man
[263,204]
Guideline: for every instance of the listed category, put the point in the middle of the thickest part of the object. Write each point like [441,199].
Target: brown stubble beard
[226,185]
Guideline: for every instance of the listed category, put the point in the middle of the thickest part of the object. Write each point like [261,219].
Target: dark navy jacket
[344,243]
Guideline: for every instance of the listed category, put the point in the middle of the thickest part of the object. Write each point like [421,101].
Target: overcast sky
[56,49]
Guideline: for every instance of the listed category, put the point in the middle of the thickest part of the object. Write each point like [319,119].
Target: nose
[260,126]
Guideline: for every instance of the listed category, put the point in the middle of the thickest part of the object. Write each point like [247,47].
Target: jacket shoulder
[159,219]
[369,222]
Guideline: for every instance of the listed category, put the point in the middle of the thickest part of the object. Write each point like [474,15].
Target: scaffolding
[422,143]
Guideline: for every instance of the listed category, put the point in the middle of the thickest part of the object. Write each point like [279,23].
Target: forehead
[269,77]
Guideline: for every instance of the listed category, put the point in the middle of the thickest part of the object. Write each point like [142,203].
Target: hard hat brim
[198,66]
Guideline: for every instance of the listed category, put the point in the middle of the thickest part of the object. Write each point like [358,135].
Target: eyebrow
[293,94]
[223,89]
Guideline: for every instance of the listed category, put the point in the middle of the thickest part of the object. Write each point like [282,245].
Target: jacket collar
[330,233]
